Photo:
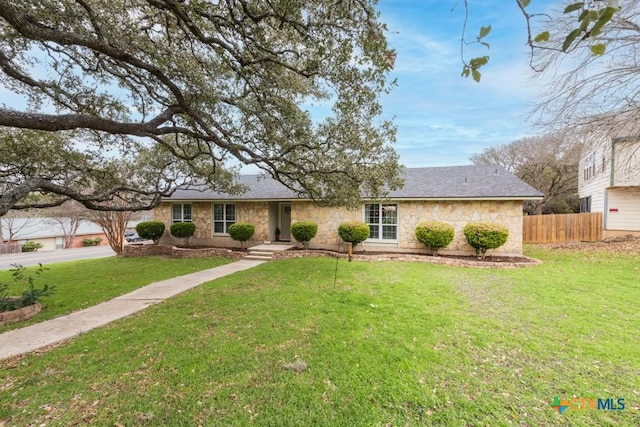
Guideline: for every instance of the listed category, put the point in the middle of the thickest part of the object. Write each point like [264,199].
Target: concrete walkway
[24,340]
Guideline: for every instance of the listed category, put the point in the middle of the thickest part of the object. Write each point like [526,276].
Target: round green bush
[485,235]
[434,235]
[152,230]
[241,231]
[354,232]
[183,230]
[303,231]
[32,246]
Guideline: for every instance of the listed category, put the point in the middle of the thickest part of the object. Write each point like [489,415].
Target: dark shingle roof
[453,182]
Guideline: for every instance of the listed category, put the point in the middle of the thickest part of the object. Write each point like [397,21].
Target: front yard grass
[82,284]
[392,344]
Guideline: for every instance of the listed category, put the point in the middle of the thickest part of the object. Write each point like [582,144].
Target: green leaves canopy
[212,84]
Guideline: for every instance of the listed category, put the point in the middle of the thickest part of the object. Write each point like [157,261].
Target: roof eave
[408,199]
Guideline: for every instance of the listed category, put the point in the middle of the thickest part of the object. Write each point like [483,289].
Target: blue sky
[442,118]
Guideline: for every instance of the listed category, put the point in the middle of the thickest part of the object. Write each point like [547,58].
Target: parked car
[132,236]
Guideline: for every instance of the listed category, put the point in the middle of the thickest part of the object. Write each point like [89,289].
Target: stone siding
[201,214]
[458,214]
[410,214]
[328,220]
[256,213]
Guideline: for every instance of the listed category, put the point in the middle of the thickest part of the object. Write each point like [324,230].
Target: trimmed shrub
[241,231]
[32,247]
[183,230]
[91,242]
[303,231]
[152,230]
[485,235]
[434,235]
[354,232]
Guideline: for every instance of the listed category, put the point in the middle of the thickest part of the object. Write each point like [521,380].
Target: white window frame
[381,224]
[225,221]
[182,217]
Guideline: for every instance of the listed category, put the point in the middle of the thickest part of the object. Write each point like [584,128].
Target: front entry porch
[280,220]
[265,252]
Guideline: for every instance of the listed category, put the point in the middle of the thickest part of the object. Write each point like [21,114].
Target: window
[382,220]
[224,215]
[181,212]
[585,204]
[589,167]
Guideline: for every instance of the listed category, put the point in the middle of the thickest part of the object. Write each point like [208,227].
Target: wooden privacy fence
[10,248]
[562,228]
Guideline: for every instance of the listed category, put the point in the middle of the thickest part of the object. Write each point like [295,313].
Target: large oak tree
[131,98]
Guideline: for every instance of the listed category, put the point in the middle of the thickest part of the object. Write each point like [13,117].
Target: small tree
[114,224]
[183,230]
[150,230]
[241,231]
[354,232]
[303,231]
[434,235]
[485,235]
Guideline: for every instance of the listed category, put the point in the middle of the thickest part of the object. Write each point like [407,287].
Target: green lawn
[392,344]
[81,284]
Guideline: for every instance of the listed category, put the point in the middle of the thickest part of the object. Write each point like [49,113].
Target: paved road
[50,257]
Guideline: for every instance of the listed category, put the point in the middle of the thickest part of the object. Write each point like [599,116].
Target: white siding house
[609,182]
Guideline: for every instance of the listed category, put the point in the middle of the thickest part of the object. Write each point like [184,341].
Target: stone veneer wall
[410,214]
[328,220]
[458,214]
[256,213]
[201,213]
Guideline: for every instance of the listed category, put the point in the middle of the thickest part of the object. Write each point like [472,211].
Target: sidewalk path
[24,340]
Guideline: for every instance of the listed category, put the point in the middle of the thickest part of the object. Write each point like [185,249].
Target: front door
[285,221]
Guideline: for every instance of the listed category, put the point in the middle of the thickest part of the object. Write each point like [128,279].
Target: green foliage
[241,231]
[598,49]
[30,295]
[542,37]
[91,242]
[485,235]
[434,235]
[303,231]
[150,230]
[472,68]
[354,232]
[591,21]
[181,64]
[183,230]
[32,247]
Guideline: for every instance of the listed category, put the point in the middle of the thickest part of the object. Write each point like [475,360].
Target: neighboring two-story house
[609,182]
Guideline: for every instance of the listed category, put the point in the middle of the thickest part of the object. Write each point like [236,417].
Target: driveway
[50,257]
